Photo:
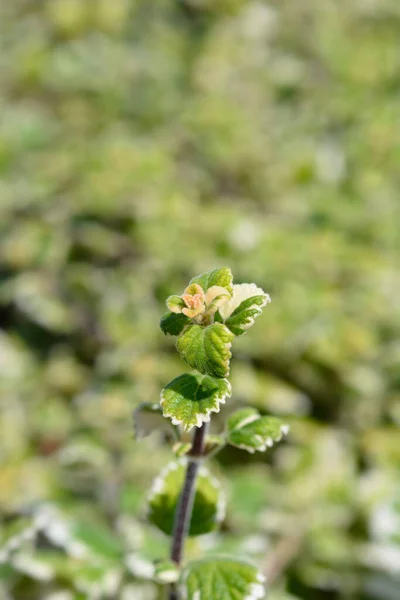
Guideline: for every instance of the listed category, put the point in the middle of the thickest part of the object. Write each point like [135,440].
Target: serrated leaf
[206,349]
[248,430]
[148,417]
[242,309]
[222,578]
[189,399]
[221,277]
[244,316]
[209,501]
[173,324]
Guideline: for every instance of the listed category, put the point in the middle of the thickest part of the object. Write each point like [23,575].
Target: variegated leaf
[189,399]
[221,277]
[223,578]
[206,349]
[209,500]
[248,430]
[166,572]
[245,305]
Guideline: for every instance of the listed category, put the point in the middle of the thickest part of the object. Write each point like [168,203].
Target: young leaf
[173,324]
[148,417]
[209,501]
[175,304]
[181,448]
[246,429]
[243,317]
[166,572]
[222,578]
[221,277]
[206,349]
[189,399]
[245,305]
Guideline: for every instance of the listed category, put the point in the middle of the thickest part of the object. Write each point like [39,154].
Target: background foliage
[142,142]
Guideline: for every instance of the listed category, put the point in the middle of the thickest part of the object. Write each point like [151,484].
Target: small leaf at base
[181,448]
[166,572]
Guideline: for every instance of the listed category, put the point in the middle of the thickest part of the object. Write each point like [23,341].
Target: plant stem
[184,509]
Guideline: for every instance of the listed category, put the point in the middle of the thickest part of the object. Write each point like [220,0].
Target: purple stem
[184,509]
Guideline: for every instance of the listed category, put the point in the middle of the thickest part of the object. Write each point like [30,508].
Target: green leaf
[189,399]
[206,349]
[244,315]
[246,429]
[166,572]
[209,501]
[221,277]
[181,448]
[148,417]
[175,304]
[223,579]
[173,324]
[99,539]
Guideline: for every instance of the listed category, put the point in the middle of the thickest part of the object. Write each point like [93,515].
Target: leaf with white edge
[244,316]
[223,579]
[173,324]
[246,297]
[206,349]
[15,535]
[139,566]
[209,500]
[248,430]
[175,304]
[148,417]
[189,399]
[246,304]
[166,572]
[221,277]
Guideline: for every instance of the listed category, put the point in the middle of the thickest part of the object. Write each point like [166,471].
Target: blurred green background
[141,143]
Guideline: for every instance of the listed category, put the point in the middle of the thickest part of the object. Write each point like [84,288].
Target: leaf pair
[189,400]
[215,577]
